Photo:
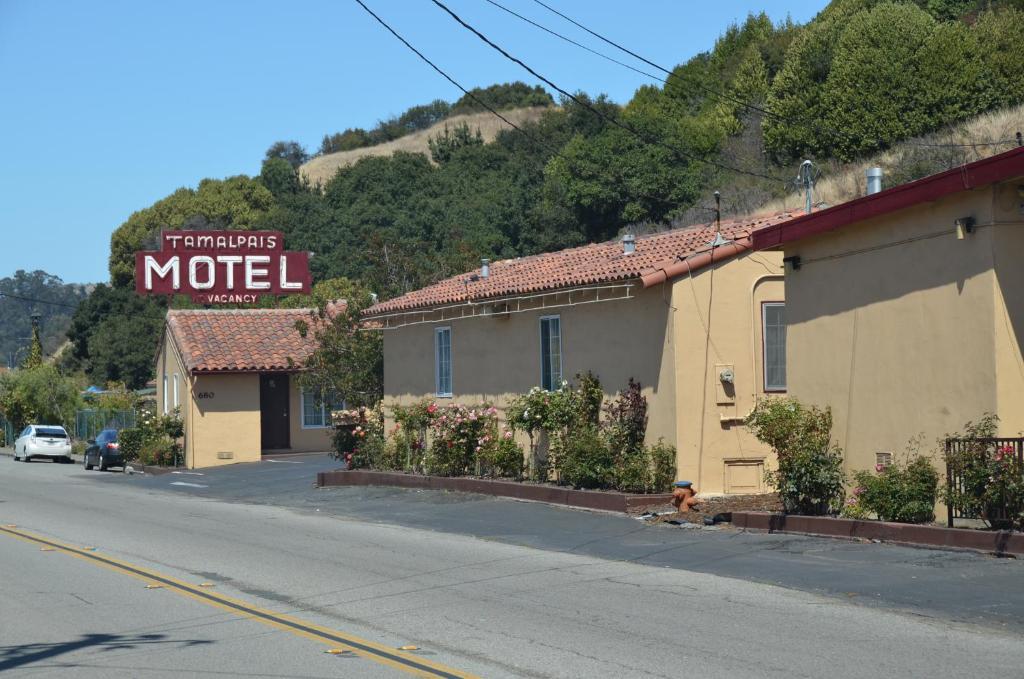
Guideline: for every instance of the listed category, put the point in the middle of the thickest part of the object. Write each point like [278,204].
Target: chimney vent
[874,175]
[485,268]
[629,243]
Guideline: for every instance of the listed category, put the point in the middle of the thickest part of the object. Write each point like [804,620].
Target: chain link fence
[90,422]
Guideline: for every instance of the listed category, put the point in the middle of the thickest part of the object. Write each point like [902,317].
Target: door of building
[274,404]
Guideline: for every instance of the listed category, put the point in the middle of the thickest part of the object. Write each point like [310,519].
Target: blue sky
[110,106]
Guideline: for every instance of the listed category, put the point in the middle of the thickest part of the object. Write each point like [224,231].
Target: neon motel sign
[222,267]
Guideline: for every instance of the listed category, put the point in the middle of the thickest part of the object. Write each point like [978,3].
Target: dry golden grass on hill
[321,169]
[909,161]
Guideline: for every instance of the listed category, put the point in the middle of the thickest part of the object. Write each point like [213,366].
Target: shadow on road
[25,654]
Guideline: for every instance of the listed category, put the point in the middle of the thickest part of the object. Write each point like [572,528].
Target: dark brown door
[274,404]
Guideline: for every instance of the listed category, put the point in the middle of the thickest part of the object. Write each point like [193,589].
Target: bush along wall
[575,438]
[809,478]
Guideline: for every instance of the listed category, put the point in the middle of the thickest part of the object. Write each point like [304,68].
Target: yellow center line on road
[362,647]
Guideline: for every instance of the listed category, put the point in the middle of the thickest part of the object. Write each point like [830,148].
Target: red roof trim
[979,173]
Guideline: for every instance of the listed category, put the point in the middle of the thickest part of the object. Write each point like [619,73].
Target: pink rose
[879,467]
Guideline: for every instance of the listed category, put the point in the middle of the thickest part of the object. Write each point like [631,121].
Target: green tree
[279,177]
[502,96]
[1000,35]
[35,350]
[233,203]
[446,143]
[795,98]
[873,94]
[114,335]
[291,151]
[38,395]
[349,360]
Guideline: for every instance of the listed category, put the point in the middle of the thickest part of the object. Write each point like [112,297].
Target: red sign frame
[222,267]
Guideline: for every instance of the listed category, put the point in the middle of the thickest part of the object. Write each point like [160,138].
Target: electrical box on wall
[725,383]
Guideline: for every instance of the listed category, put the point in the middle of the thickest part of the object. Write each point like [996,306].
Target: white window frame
[176,402]
[555,383]
[437,363]
[165,393]
[769,388]
[325,411]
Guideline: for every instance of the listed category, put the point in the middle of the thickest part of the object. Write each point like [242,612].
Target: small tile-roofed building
[695,316]
[230,373]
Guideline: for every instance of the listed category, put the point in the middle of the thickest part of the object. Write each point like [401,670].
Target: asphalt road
[482,587]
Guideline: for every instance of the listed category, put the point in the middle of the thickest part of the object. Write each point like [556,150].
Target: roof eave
[974,175]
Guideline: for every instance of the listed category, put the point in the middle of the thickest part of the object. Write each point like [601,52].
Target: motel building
[231,374]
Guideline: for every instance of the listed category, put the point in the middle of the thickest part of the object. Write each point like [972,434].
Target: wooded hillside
[860,78]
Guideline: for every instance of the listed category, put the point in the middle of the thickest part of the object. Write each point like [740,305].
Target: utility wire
[38,301]
[491,109]
[577,44]
[610,120]
[723,95]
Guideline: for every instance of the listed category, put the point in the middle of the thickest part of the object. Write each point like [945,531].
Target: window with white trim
[773,330]
[550,352]
[176,390]
[165,395]
[317,407]
[443,361]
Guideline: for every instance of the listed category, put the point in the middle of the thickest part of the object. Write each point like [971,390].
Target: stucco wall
[901,328]
[732,460]
[658,337]
[496,358]
[305,439]
[226,419]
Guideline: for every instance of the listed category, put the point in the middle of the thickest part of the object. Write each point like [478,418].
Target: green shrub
[663,462]
[585,460]
[809,478]
[633,473]
[504,459]
[130,443]
[898,492]
[156,439]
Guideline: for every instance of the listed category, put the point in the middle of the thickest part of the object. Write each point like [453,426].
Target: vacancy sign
[222,267]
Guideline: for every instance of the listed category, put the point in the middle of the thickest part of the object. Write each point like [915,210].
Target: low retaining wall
[996,542]
[589,499]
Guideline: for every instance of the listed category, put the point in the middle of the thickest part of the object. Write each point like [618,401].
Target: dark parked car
[103,451]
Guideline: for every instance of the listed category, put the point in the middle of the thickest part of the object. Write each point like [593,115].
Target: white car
[43,440]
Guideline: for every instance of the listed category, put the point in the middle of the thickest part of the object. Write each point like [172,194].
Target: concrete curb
[152,470]
[588,499]
[992,542]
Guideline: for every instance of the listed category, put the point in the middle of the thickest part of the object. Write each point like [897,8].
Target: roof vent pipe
[629,244]
[874,175]
[485,268]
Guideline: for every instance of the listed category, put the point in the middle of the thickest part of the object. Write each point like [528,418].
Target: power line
[723,95]
[553,150]
[610,120]
[577,44]
[38,301]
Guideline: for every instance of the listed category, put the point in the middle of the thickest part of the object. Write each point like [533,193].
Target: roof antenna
[805,177]
[719,239]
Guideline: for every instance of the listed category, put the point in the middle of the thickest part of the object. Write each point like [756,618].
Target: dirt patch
[712,506]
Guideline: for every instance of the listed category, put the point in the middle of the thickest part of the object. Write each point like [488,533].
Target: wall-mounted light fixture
[793,262]
[964,227]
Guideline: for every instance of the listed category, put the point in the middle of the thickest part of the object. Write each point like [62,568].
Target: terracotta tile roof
[240,339]
[586,265]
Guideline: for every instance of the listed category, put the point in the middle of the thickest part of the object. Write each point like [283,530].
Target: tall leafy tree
[291,151]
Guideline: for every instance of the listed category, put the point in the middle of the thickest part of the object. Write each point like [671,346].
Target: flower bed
[587,444]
